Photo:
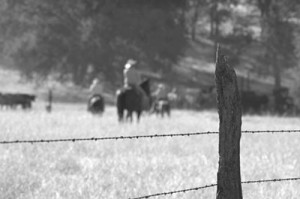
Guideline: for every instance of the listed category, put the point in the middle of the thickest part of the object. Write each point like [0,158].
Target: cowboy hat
[130,63]
[95,80]
[161,86]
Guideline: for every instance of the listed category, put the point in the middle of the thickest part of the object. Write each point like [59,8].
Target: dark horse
[96,104]
[130,100]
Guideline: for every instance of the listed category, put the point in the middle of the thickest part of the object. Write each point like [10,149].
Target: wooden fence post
[229,108]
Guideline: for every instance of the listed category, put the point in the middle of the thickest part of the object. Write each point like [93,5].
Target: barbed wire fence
[139,137]
[213,185]
[173,135]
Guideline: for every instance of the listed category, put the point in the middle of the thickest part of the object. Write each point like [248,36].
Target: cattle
[96,104]
[13,100]
[253,102]
[280,102]
[283,103]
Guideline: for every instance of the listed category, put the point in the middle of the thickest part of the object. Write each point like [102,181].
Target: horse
[96,104]
[130,100]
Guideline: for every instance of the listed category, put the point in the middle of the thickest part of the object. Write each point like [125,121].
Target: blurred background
[52,50]
[65,44]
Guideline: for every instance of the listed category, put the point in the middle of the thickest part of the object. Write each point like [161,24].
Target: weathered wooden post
[229,108]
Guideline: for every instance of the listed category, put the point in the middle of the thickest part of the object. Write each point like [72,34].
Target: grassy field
[132,168]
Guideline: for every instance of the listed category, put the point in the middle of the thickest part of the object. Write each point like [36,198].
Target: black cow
[12,100]
[253,102]
[96,104]
[284,103]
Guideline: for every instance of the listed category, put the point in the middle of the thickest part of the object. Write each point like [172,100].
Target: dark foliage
[83,38]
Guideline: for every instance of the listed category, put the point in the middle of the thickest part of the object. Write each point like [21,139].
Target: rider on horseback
[96,88]
[159,95]
[132,78]
[95,99]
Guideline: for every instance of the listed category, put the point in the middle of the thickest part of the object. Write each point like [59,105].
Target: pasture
[131,168]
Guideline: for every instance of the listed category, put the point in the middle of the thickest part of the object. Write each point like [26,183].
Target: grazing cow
[96,104]
[4,102]
[283,103]
[254,103]
[17,99]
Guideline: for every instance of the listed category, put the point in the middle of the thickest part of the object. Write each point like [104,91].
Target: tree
[277,36]
[70,36]
[215,13]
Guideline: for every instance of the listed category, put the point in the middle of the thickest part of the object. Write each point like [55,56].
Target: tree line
[80,39]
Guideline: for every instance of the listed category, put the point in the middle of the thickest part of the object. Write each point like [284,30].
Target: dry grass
[130,168]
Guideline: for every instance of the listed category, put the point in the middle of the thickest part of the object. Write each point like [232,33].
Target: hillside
[197,69]
[12,82]
[194,71]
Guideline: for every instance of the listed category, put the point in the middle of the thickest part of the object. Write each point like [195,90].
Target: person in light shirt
[96,88]
[161,93]
[132,77]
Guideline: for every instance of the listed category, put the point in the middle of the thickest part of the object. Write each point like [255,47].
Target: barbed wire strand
[175,192]
[213,185]
[271,131]
[106,138]
[138,137]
